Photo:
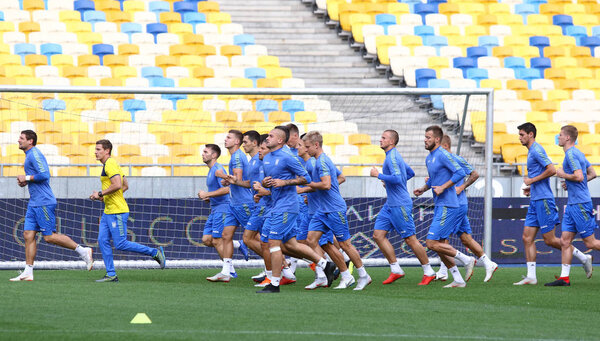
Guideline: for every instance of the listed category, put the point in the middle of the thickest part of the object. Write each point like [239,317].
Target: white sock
[286,272]
[275,281]
[345,274]
[81,251]
[456,275]
[531,270]
[462,257]
[443,269]
[294,264]
[565,269]
[427,270]
[395,268]
[236,244]
[320,272]
[484,261]
[269,274]
[346,258]
[226,266]
[361,271]
[322,263]
[231,268]
[28,270]
[580,255]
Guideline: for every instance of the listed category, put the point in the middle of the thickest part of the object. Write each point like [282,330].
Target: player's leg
[490,266]
[227,245]
[104,237]
[119,235]
[383,224]
[316,229]
[529,233]
[218,225]
[566,241]
[251,240]
[30,251]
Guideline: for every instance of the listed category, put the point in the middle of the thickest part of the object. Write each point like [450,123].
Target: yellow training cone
[141,318]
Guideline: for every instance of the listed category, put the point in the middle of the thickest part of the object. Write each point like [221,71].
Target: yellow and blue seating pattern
[541,56]
[143,44]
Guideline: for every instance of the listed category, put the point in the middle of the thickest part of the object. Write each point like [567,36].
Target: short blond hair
[314,136]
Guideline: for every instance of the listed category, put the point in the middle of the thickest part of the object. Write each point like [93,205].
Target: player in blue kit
[241,205]
[542,213]
[331,213]
[579,213]
[218,196]
[464,229]
[40,215]
[325,242]
[397,211]
[283,172]
[444,172]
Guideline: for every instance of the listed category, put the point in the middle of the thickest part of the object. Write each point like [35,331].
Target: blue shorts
[282,226]
[331,221]
[214,224]
[257,219]
[579,218]
[445,220]
[464,226]
[543,214]
[264,232]
[397,217]
[302,228]
[238,215]
[40,219]
[326,238]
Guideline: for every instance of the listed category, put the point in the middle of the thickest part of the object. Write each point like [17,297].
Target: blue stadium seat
[476,52]
[422,76]
[152,72]
[477,74]
[162,82]
[540,63]
[464,63]
[292,106]
[158,7]
[173,98]
[156,28]
[94,17]
[52,105]
[514,63]
[102,50]
[23,49]
[436,41]
[563,21]
[540,42]
[424,31]
[489,42]
[255,73]
[528,74]
[83,6]
[243,40]
[524,10]
[50,49]
[130,28]
[424,9]
[437,2]
[133,106]
[577,31]
[183,7]
[436,100]
[385,20]
[266,106]
[1,16]
[591,42]
[596,31]
[194,18]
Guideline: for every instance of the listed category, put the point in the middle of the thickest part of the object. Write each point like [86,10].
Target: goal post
[164,208]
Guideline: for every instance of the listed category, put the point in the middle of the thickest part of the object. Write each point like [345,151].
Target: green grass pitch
[69,305]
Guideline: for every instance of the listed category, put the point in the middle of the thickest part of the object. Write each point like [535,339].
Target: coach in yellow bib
[113,224]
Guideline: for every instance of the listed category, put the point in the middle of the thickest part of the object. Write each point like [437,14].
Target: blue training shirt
[537,160]
[221,203]
[282,164]
[468,169]
[256,172]
[313,196]
[328,200]
[579,192]
[239,195]
[442,167]
[395,173]
[40,193]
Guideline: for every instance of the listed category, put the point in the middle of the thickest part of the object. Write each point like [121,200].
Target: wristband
[28,178]
[100,195]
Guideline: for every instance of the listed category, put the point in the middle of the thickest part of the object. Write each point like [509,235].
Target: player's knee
[432,244]
[528,240]
[121,244]
[207,240]
[49,239]
[590,243]
[378,237]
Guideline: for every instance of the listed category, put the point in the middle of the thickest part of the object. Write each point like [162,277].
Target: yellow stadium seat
[218,18]
[231,50]
[226,116]
[112,82]
[28,27]
[198,139]
[370,150]
[359,139]
[554,51]
[191,82]
[38,115]
[448,9]
[128,49]
[79,27]
[205,50]
[180,28]
[112,60]
[10,60]
[166,61]
[438,62]
[278,117]
[566,84]
[67,16]
[124,72]
[517,84]
[305,117]
[495,84]
[267,61]
[7,26]
[126,150]
[73,71]
[88,60]
[551,9]
[119,116]
[169,17]
[118,17]
[89,38]
[267,83]
[208,6]
[33,5]
[59,60]
[134,6]
[502,51]
[448,30]
[538,19]
[241,83]
[530,95]
[34,60]
[18,71]
[190,61]
[562,41]
[585,19]
[8,81]
[545,106]
[564,62]
[102,128]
